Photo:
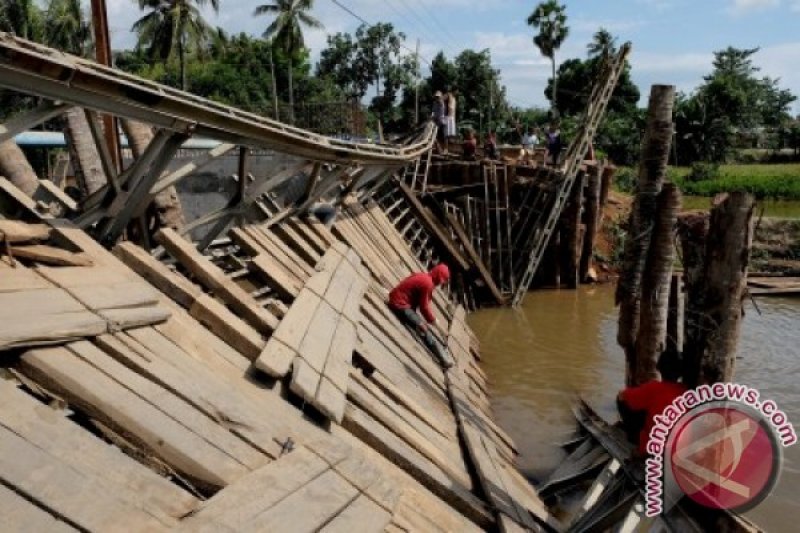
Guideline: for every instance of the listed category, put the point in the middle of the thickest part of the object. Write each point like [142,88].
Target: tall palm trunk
[15,166]
[167,203]
[182,61]
[555,85]
[83,152]
[291,90]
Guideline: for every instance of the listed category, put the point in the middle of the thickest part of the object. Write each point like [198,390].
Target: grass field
[780,181]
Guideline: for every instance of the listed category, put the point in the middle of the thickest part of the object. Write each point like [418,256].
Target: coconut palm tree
[66,27]
[286,30]
[550,19]
[603,44]
[173,26]
[22,18]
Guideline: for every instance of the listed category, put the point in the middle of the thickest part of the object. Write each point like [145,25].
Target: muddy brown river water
[562,343]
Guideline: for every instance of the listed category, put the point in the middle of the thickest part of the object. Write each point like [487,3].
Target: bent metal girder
[176,115]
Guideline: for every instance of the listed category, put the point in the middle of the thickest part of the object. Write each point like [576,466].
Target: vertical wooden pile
[649,243]
[716,253]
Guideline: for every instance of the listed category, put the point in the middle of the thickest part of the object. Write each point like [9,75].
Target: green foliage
[625,179]
[732,100]
[66,27]
[701,171]
[173,27]
[23,18]
[763,181]
[550,20]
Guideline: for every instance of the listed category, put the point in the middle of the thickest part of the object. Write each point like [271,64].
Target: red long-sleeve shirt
[414,292]
[652,398]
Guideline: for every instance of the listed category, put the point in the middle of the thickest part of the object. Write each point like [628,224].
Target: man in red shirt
[651,398]
[415,293]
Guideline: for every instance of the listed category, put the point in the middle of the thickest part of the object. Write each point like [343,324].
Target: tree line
[733,107]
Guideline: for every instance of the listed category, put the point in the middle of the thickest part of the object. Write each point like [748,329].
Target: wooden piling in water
[716,276]
[654,307]
[591,220]
[652,171]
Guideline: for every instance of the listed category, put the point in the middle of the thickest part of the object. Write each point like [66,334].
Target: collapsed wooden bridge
[253,380]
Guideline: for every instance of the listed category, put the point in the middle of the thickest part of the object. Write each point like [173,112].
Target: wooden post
[676,316]
[730,238]
[654,307]
[693,232]
[652,170]
[592,218]
[571,233]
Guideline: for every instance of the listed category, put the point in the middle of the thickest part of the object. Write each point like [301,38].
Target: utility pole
[102,52]
[416,86]
[274,84]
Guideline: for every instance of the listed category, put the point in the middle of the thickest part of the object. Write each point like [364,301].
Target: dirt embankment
[776,243]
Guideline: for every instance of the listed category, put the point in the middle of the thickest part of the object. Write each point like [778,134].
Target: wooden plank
[21,279]
[409,403]
[49,329]
[330,400]
[320,500]
[122,319]
[292,329]
[361,515]
[15,231]
[341,285]
[254,248]
[266,267]
[157,358]
[157,274]
[66,491]
[318,337]
[214,278]
[125,412]
[305,379]
[227,326]
[260,490]
[50,255]
[268,241]
[415,464]
[325,269]
[340,354]
[121,295]
[70,277]
[376,408]
[109,468]
[19,514]
[36,303]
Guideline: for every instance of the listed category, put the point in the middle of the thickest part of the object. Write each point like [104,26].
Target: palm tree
[550,19]
[66,27]
[22,18]
[287,30]
[173,25]
[603,44]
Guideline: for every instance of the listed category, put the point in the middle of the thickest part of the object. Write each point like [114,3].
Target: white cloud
[742,6]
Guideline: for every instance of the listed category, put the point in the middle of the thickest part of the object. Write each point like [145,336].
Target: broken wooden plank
[52,432]
[172,284]
[476,260]
[50,255]
[15,231]
[134,417]
[215,280]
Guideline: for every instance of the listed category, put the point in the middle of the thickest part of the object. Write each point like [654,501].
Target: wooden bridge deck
[264,386]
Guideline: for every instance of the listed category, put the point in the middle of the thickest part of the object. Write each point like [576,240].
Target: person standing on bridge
[415,293]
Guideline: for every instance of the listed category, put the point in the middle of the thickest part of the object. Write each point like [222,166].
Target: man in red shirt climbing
[639,405]
[415,292]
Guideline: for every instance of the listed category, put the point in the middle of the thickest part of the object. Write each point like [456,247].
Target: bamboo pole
[652,171]
[654,307]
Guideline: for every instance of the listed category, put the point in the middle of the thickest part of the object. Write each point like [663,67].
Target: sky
[673,40]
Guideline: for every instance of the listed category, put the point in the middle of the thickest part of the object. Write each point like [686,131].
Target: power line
[453,41]
[423,22]
[362,19]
